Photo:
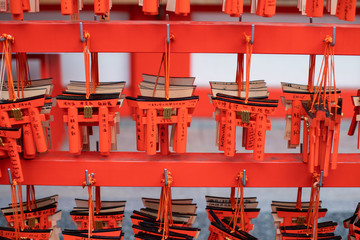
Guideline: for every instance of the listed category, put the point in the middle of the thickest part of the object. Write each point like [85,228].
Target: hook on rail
[252,34]
[167,30]
[82,39]
[321,178]
[87,177]
[333,37]
[243,179]
[10,178]
[166,177]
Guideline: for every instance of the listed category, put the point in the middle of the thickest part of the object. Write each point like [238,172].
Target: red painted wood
[205,109]
[188,170]
[190,37]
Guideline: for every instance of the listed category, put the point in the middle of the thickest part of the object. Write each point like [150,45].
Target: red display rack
[189,169]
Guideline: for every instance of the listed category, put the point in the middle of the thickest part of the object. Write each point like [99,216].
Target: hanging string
[158,75]
[240,73]
[298,200]
[98,199]
[30,198]
[2,71]
[326,79]
[94,71]
[312,214]
[16,192]
[239,204]
[91,224]
[87,63]
[23,73]
[312,60]
[167,66]
[7,53]
[165,207]
[249,48]
[232,198]
[165,60]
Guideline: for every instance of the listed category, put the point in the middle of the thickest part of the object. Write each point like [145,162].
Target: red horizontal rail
[190,37]
[135,169]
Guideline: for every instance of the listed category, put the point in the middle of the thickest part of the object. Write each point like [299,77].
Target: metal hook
[321,178]
[252,34]
[82,39]
[167,29]
[87,177]
[166,177]
[10,178]
[243,179]
[333,37]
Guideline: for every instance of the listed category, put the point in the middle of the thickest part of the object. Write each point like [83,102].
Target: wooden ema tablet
[26,233]
[69,7]
[349,222]
[229,213]
[25,113]
[153,117]
[113,232]
[84,236]
[146,236]
[8,145]
[324,236]
[266,8]
[179,217]
[138,217]
[295,112]
[323,137]
[101,7]
[97,111]
[356,117]
[190,231]
[41,202]
[288,215]
[36,219]
[218,232]
[324,227]
[105,220]
[104,204]
[16,9]
[294,94]
[252,117]
[248,140]
[154,231]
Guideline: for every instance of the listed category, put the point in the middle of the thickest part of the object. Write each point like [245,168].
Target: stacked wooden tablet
[79,88]
[353,224]
[257,89]
[40,220]
[108,222]
[37,93]
[100,109]
[221,207]
[160,107]
[179,87]
[290,222]
[222,230]
[146,225]
[320,110]
[294,95]
[232,110]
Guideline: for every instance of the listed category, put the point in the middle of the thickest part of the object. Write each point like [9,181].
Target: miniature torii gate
[253,116]
[153,115]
